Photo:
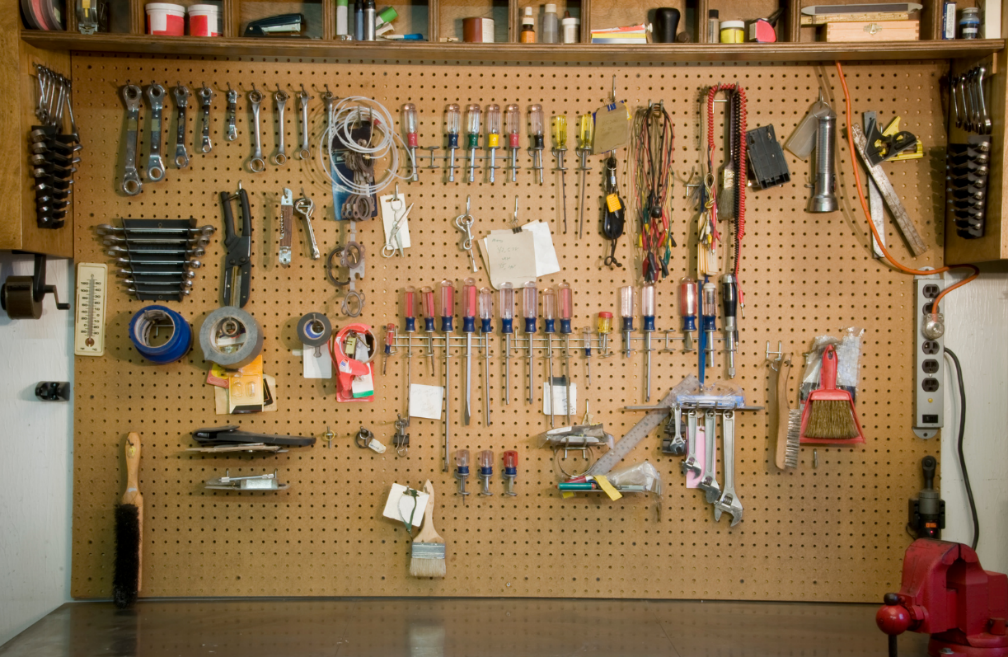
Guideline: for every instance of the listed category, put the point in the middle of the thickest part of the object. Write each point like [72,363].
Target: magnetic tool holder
[21,296]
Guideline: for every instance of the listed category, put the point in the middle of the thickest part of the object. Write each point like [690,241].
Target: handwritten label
[509,257]
[425,401]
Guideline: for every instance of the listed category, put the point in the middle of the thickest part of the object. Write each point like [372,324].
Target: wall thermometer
[89,334]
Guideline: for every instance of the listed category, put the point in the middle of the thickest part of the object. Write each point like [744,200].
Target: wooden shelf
[511,52]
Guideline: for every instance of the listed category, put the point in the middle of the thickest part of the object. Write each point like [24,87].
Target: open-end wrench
[131,184]
[206,97]
[305,207]
[232,112]
[690,463]
[955,101]
[280,97]
[155,166]
[304,152]
[256,164]
[709,482]
[729,502]
[181,93]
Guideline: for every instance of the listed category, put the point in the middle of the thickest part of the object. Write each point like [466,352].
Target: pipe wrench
[238,260]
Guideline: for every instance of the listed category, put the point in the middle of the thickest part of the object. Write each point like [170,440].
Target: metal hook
[775,363]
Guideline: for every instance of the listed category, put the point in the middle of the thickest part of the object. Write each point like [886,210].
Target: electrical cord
[959,444]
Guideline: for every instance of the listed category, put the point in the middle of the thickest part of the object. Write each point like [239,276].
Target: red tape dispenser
[830,417]
[355,372]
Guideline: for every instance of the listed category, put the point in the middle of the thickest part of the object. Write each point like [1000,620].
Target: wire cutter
[239,249]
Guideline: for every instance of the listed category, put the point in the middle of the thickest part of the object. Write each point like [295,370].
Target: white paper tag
[401,512]
[362,386]
[559,397]
[388,220]
[545,254]
[425,401]
[315,366]
[509,257]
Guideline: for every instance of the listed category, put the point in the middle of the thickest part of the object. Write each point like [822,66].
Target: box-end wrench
[131,184]
[709,482]
[232,113]
[729,502]
[280,97]
[985,120]
[256,164]
[181,93]
[304,153]
[155,166]
[690,462]
[206,98]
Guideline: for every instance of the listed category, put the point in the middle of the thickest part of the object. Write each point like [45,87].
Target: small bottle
[342,26]
[528,27]
[570,28]
[87,16]
[358,13]
[550,26]
[369,20]
[713,26]
[969,23]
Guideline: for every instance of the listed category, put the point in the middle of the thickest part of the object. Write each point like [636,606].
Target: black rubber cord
[962,458]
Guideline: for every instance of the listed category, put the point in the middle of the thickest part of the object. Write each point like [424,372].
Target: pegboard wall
[835,532]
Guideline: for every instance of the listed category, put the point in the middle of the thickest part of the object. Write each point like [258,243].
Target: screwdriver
[566,298]
[486,328]
[447,300]
[409,124]
[409,310]
[536,138]
[486,460]
[549,327]
[452,118]
[688,310]
[468,326]
[708,313]
[729,299]
[493,128]
[585,133]
[510,470]
[604,329]
[390,332]
[648,301]
[427,299]
[587,337]
[473,113]
[512,123]
[506,310]
[559,148]
[530,305]
[626,312]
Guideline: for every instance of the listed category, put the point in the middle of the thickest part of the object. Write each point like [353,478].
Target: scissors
[397,204]
[464,223]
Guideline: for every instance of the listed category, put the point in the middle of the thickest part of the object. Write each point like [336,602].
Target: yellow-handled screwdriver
[559,148]
[586,130]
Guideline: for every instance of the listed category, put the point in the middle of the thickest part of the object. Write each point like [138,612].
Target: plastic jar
[732,31]
[969,23]
[204,20]
[571,28]
[165,19]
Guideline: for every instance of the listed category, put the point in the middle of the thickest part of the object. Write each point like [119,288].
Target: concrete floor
[458,627]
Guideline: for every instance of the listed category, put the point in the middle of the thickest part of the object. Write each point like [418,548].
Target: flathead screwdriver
[486,328]
[427,300]
[506,311]
[468,327]
[530,308]
[549,327]
[565,297]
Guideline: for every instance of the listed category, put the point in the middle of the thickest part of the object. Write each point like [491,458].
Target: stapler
[282,25]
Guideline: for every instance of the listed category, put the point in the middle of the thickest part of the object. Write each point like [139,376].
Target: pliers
[239,249]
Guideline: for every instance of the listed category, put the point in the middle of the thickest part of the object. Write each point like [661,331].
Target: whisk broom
[830,417]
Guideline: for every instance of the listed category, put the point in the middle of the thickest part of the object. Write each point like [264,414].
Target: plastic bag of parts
[848,350]
[643,475]
[718,394]
[576,437]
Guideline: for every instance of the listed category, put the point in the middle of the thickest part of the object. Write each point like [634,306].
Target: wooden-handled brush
[428,558]
[788,420]
[129,530]
[830,417]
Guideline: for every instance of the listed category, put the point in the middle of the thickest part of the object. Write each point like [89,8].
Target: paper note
[545,255]
[389,218]
[693,480]
[425,401]
[315,366]
[559,396]
[399,506]
[509,257]
[612,128]
[362,386]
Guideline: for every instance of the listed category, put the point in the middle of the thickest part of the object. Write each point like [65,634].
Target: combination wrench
[280,97]
[304,206]
[206,97]
[181,93]
[690,463]
[256,164]
[709,482]
[729,502]
[232,112]
[304,153]
[155,166]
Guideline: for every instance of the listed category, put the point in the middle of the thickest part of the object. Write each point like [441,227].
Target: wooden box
[882,31]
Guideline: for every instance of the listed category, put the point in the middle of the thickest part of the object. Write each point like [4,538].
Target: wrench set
[968,164]
[53,153]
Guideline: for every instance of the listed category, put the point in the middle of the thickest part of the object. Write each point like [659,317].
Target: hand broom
[428,558]
[830,417]
[129,530]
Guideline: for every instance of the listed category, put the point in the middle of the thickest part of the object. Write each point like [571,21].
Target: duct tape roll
[152,318]
[314,329]
[231,338]
[478,30]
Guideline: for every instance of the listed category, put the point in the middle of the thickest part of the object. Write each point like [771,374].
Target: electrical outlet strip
[929,366]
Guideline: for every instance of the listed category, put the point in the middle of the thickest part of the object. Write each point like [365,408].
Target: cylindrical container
[713,26]
[478,30]
[824,192]
[528,27]
[369,20]
[732,32]
[550,25]
[165,19]
[666,24]
[204,20]
[342,18]
[570,28]
[969,23]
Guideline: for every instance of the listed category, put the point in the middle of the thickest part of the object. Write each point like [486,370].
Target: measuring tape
[89,332]
[154,317]
[231,338]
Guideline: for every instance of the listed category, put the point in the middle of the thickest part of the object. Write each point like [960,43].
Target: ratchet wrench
[131,184]
[232,111]
[181,93]
[281,97]
[305,151]
[155,166]
[206,97]
[257,164]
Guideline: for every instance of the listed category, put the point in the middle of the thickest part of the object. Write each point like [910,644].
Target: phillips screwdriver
[559,148]
[447,312]
[729,299]
[587,337]
[512,123]
[473,114]
[536,138]
[565,297]
[586,130]
[510,470]
[486,328]
[452,118]
[648,302]
[530,307]
[708,314]
[506,311]
[626,312]
[486,460]
[688,310]
[390,335]
[549,327]
[604,329]
[409,311]
[493,128]
[409,125]
[427,299]
[468,326]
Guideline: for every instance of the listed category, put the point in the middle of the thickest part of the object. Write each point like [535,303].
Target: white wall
[36,443]
[976,318]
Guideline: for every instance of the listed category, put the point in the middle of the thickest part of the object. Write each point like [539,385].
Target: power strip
[929,366]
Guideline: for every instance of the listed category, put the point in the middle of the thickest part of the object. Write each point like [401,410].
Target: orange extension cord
[871,225]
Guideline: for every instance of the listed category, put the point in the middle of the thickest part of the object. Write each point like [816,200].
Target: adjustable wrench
[206,97]
[678,444]
[709,482]
[181,93]
[690,463]
[257,164]
[729,502]
[232,111]
[304,206]
[155,166]
[281,97]
[305,151]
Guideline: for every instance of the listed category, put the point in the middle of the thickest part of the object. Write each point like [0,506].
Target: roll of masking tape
[231,338]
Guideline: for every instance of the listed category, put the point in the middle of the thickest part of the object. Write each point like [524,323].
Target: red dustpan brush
[829,417]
